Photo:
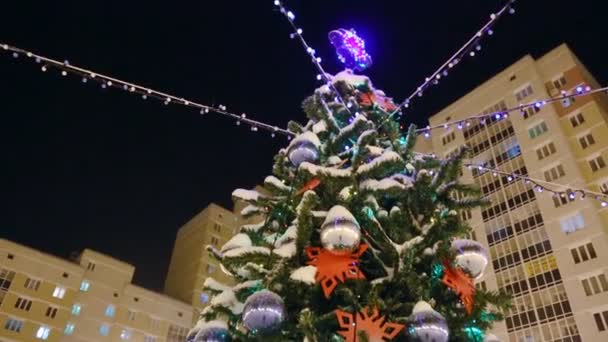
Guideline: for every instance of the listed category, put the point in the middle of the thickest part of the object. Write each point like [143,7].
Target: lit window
[69,329]
[537,130]
[84,286]
[32,284]
[76,308]
[204,298]
[43,332]
[104,330]
[110,310]
[59,292]
[125,334]
[13,324]
[572,223]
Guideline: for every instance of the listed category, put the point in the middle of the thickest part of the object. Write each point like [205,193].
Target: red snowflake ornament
[461,283]
[333,269]
[371,98]
[373,325]
[310,185]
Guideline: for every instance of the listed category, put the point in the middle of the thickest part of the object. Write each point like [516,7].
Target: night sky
[85,167]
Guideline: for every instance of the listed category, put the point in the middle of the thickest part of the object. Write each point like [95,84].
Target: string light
[467,48]
[67,68]
[297,32]
[503,114]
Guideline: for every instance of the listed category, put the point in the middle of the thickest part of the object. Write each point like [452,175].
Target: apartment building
[90,298]
[550,252]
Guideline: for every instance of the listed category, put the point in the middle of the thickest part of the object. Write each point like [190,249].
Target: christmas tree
[361,240]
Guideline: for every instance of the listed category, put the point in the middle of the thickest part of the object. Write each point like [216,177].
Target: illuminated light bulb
[92,75]
[109,83]
[587,88]
[538,105]
[472,53]
[494,174]
[292,35]
[202,111]
[15,55]
[66,62]
[206,110]
[579,89]
[497,116]
[319,59]
[445,73]
[272,135]
[459,125]
[419,94]
[277,2]
[446,126]
[243,115]
[144,96]
[478,47]
[511,10]
[509,178]
[604,204]
[290,15]
[132,89]
[5,47]
[571,195]
[450,65]
[125,87]
[427,79]
[149,91]
[38,60]
[479,34]
[492,16]
[103,86]
[84,80]
[540,189]
[299,31]
[319,77]
[168,99]
[64,73]
[427,134]
[43,68]
[186,103]
[238,123]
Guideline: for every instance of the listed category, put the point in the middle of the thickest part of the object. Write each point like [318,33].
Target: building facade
[45,298]
[550,252]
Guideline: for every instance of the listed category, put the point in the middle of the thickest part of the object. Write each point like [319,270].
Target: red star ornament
[461,283]
[333,269]
[373,325]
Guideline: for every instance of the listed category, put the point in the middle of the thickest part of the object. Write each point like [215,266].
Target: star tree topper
[350,49]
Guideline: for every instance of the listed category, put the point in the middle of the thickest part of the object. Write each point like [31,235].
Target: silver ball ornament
[340,233]
[490,338]
[263,311]
[304,148]
[427,325]
[213,334]
[471,256]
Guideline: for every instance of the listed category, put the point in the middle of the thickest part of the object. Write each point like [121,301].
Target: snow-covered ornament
[471,256]
[263,311]
[304,148]
[340,233]
[213,334]
[490,338]
[427,325]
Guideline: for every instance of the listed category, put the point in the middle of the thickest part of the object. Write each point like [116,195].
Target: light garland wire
[107,81]
[298,32]
[469,47]
[542,185]
[503,114]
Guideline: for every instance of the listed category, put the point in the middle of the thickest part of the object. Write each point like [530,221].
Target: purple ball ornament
[263,311]
[427,325]
[350,49]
